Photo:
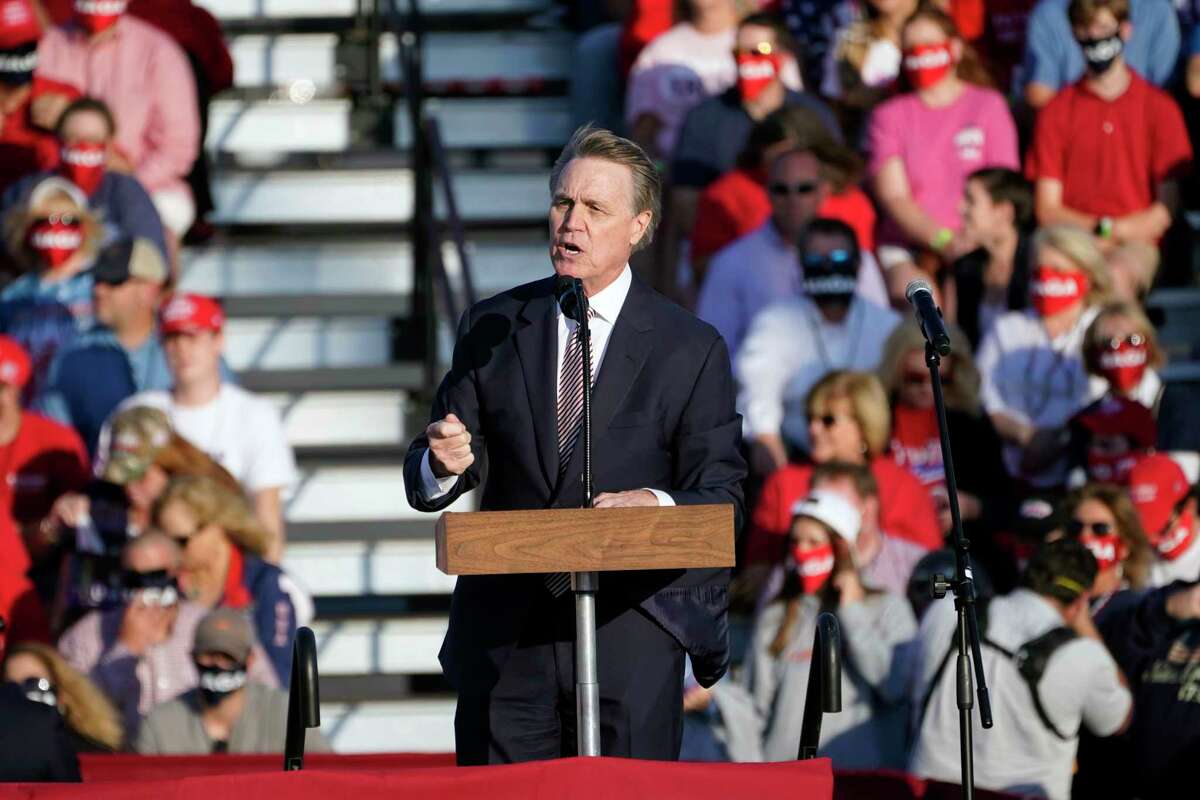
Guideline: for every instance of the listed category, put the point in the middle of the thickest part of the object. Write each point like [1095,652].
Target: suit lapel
[536,341]
[629,346]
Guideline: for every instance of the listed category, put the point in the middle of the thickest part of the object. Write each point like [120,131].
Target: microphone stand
[586,584]
[967,635]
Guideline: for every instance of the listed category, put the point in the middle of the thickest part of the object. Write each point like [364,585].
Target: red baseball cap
[14,363]
[1156,485]
[18,24]
[1120,416]
[190,313]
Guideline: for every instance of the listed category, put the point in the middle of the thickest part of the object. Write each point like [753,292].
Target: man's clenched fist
[449,447]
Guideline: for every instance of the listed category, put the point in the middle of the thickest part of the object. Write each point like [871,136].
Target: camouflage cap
[138,434]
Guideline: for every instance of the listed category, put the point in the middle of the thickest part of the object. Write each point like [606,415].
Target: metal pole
[587,686]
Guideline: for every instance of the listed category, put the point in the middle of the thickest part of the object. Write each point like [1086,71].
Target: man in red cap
[39,460]
[24,148]
[242,432]
[1167,507]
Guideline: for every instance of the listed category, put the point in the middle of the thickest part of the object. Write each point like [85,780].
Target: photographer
[139,653]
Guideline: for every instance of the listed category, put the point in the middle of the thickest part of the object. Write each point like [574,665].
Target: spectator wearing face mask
[764,267]
[1048,671]
[738,202]
[42,461]
[983,492]
[139,653]
[24,148]
[34,746]
[848,421]
[93,724]
[822,575]
[85,133]
[1108,151]
[926,141]
[223,566]
[241,431]
[1108,438]
[1054,59]
[54,237]
[864,62]
[144,77]
[997,224]
[1166,504]
[1103,519]
[1032,361]
[228,712]
[795,342]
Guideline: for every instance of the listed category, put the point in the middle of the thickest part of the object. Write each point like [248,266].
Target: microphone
[568,291]
[929,315]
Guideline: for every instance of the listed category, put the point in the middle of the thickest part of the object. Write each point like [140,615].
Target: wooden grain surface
[582,540]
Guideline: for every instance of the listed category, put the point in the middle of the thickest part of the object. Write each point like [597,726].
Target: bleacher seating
[313,264]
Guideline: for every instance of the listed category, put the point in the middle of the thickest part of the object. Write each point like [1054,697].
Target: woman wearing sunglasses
[53,238]
[849,422]
[223,547]
[822,575]
[1104,520]
[915,440]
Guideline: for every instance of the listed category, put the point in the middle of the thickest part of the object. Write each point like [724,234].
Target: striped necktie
[570,422]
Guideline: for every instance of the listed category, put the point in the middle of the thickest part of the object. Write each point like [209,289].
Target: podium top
[585,539]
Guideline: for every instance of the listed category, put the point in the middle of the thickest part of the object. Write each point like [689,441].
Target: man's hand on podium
[637,497]
[449,447]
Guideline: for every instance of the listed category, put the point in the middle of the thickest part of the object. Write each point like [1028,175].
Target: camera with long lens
[95,577]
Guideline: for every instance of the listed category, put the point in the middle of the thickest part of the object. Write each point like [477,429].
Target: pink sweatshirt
[145,79]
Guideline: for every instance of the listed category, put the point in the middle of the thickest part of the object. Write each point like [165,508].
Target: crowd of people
[142,602]
[1030,160]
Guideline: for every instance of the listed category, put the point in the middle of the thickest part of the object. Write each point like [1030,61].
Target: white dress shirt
[606,307]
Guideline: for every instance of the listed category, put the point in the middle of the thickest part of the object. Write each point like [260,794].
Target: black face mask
[216,683]
[39,690]
[1101,53]
[830,278]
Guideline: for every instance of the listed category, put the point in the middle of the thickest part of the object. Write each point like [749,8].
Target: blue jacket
[272,612]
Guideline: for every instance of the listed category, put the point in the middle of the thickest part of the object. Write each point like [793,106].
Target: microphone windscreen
[917,286]
[565,292]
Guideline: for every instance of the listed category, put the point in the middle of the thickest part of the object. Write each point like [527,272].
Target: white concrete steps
[494,123]
[307,342]
[323,419]
[278,125]
[361,196]
[407,646]
[409,726]
[368,568]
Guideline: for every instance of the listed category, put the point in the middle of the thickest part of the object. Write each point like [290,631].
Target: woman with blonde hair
[863,62]
[92,721]
[848,422]
[223,546]
[822,575]
[1102,517]
[916,440]
[53,237]
[1032,361]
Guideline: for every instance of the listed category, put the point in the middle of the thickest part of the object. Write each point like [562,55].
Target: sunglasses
[1135,339]
[760,49]
[828,261]
[55,219]
[828,420]
[785,189]
[1078,527]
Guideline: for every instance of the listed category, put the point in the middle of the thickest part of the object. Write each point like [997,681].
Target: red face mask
[95,16]
[83,164]
[1178,537]
[813,567]
[927,64]
[756,71]
[1124,365]
[1053,290]
[1108,549]
[56,239]
[1106,468]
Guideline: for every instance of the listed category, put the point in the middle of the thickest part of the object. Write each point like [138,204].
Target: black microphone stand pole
[586,584]
[967,635]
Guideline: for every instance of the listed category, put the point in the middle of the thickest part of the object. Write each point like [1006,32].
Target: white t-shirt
[241,432]
[1080,686]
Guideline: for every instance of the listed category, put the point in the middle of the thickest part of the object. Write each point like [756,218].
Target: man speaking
[508,416]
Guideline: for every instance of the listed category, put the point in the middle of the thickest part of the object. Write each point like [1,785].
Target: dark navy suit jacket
[663,417]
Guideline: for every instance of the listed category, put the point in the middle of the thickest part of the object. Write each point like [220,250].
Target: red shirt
[22,611]
[647,19]
[45,461]
[1110,156]
[905,508]
[737,203]
[24,149]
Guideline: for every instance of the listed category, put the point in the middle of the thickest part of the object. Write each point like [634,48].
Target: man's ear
[641,223]
[1125,30]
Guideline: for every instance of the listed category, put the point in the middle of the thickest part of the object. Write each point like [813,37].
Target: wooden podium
[585,542]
